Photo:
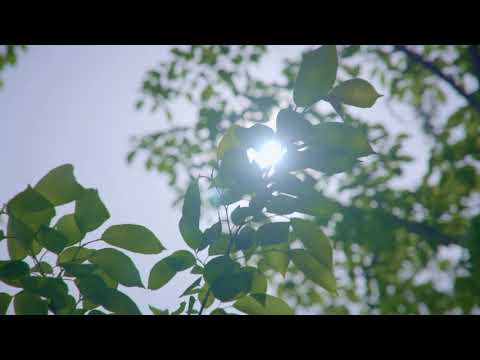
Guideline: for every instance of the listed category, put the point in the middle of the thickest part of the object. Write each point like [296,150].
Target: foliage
[8,56]
[396,250]
[237,244]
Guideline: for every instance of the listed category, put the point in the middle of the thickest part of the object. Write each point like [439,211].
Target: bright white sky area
[75,104]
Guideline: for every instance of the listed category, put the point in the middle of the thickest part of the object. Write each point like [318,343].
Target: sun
[268,156]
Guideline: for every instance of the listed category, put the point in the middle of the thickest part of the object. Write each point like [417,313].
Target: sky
[75,104]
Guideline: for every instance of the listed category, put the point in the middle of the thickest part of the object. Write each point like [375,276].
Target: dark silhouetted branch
[472,100]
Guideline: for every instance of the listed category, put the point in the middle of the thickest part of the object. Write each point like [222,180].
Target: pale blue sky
[75,104]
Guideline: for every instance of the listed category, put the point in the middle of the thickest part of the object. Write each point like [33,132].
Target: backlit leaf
[118,266]
[356,92]
[90,212]
[59,186]
[134,238]
[313,269]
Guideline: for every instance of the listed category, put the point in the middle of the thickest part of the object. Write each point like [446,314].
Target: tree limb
[472,100]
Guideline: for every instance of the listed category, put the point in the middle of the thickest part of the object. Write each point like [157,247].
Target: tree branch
[472,100]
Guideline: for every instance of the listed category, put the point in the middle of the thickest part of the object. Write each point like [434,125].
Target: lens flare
[268,155]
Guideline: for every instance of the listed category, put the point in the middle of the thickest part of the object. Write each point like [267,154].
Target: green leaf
[180,308]
[228,142]
[313,269]
[69,228]
[189,223]
[241,214]
[51,239]
[262,304]
[59,186]
[276,257]
[316,76]
[69,308]
[13,269]
[90,212]
[211,235]
[95,289]
[292,126]
[5,300]
[31,209]
[2,235]
[53,288]
[156,311]
[254,136]
[164,270]
[203,293]
[96,312]
[134,238]
[226,279]
[220,246]
[356,92]
[245,238]
[273,233]
[75,254]
[118,266]
[191,289]
[42,266]
[26,303]
[259,281]
[314,240]
[79,270]
[20,239]
[219,311]
[191,303]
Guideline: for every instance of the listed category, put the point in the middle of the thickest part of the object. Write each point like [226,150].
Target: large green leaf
[156,311]
[263,304]
[316,76]
[5,300]
[292,126]
[90,212]
[42,267]
[26,303]
[95,289]
[52,288]
[245,238]
[356,92]
[135,238]
[13,269]
[313,269]
[164,270]
[118,266]
[314,240]
[52,239]
[31,209]
[189,223]
[59,186]
[75,254]
[276,257]
[69,228]
[273,233]
[226,279]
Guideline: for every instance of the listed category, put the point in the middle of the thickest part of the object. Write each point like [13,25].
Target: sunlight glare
[268,155]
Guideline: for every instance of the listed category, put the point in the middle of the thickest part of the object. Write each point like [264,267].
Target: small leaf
[75,254]
[189,223]
[134,238]
[262,304]
[14,269]
[5,300]
[356,92]
[59,186]
[69,228]
[180,309]
[273,233]
[203,293]
[42,267]
[218,311]
[51,239]
[156,311]
[118,266]
[164,270]
[316,76]
[26,303]
[90,212]
[313,270]
[314,240]
[193,286]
